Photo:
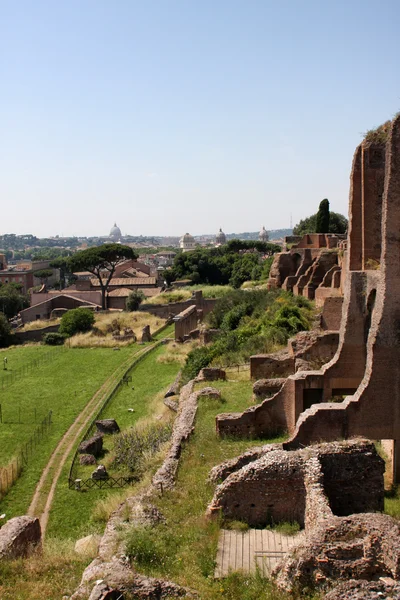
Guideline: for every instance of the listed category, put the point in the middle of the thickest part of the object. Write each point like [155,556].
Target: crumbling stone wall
[268,485]
[185,322]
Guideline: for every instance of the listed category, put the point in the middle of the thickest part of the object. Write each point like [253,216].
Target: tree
[101,261]
[12,300]
[5,331]
[43,275]
[77,320]
[134,300]
[323,217]
[337,224]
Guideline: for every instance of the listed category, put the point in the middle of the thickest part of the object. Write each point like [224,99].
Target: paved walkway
[243,551]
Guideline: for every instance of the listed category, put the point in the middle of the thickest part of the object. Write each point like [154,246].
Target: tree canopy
[233,263]
[337,224]
[101,261]
[12,299]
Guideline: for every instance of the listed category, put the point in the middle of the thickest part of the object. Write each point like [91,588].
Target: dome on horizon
[115,233]
[263,235]
[220,238]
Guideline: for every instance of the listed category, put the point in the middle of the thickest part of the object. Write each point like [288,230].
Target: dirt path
[45,489]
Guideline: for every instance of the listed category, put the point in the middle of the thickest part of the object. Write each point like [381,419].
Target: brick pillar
[373,175]
[355,214]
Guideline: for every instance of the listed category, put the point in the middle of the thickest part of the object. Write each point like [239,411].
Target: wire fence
[74,469]
[10,473]
[10,375]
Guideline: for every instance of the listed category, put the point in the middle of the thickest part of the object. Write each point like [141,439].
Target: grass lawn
[184,548]
[24,359]
[71,515]
[64,386]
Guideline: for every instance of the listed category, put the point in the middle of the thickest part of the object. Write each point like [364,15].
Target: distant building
[220,238]
[187,242]
[263,235]
[115,233]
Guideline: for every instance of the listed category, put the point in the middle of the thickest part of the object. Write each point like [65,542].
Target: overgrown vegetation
[53,339]
[134,447]
[378,135]
[101,335]
[337,224]
[232,264]
[185,293]
[251,322]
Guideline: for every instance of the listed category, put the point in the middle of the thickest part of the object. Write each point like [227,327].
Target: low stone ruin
[263,388]
[19,537]
[100,473]
[334,491]
[87,459]
[269,485]
[384,589]
[211,374]
[93,445]
[305,351]
[108,426]
[363,547]
[146,335]
[115,579]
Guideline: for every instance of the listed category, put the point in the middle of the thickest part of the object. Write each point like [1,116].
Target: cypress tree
[323,217]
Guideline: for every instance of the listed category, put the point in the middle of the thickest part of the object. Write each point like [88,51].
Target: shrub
[53,339]
[77,320]
[5,331]
[134,300]
[150,546]
[132,448]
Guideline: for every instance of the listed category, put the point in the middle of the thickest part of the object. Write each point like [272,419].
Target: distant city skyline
[187,116]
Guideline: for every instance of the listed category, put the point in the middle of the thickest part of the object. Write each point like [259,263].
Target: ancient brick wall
[306,486]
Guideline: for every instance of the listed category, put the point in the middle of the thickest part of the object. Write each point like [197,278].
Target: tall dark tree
[101,261]
[12,299]
[323,217]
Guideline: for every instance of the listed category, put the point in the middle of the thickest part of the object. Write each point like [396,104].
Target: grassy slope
[71,513]
[64,386]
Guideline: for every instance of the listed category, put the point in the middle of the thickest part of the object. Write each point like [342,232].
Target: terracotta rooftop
[125,281]
[124,292]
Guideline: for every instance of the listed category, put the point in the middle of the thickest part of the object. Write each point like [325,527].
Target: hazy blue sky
[176,115]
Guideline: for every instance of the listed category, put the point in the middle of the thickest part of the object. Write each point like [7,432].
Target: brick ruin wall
[269,485]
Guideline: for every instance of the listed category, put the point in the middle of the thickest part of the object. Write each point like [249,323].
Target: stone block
[19,537]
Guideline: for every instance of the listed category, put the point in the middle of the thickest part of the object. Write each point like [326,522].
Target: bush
[53,339]
[134,300]
[151,546]
[5,331]
[135,446]
[77,320]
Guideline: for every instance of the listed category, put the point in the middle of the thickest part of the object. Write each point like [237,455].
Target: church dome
[187,242]
[115,233]
[220,238]
[263,235]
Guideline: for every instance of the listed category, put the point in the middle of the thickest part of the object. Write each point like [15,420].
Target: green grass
[71,515]
[20,361]
[184,548]
[49,576]
[63,386]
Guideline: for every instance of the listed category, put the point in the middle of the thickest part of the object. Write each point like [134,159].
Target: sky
[167,116]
